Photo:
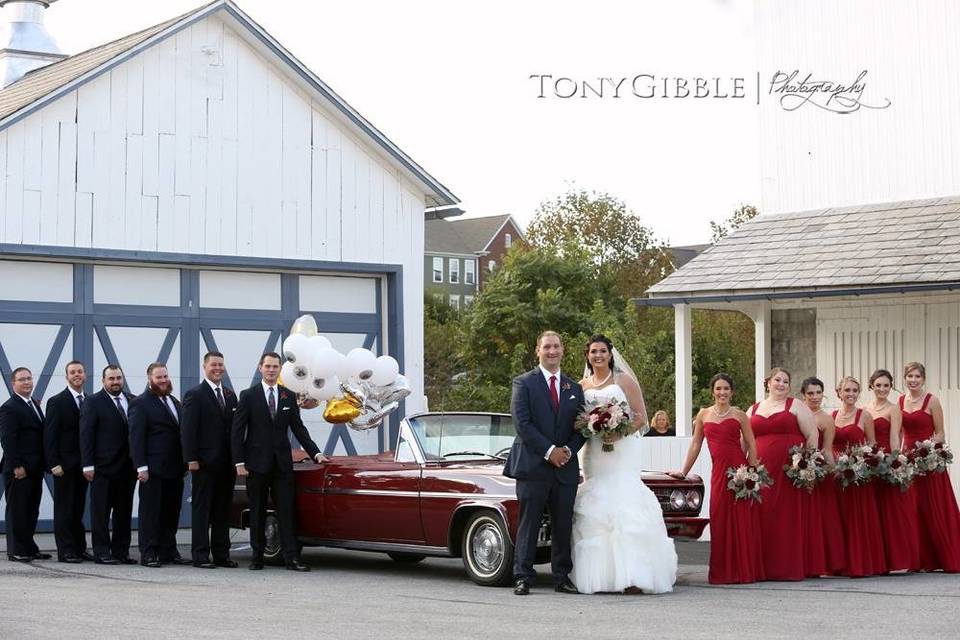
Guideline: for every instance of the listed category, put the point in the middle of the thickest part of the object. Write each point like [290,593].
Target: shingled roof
[866,246]
[468,236]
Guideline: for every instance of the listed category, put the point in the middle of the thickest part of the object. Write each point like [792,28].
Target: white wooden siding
[203,145]
[811,158]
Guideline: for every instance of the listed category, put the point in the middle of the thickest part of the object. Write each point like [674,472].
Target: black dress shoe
[125,560]
[106,560]
[41,556]
[16,558]
[86,555]
[256,565]
[296,565]
[178,560]
[566,586]
[521,588]
[204,564]
[71,559]
[153,563]
[228,563]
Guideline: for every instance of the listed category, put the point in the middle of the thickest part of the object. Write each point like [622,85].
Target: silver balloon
[393,392]
[371,419]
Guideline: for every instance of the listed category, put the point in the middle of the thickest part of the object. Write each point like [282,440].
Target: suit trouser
[23,509]
[159,516]
[534,497]
[281,486]
[211,502]
[112,495]
[69,499]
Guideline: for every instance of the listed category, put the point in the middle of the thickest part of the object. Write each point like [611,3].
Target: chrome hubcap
[486,548]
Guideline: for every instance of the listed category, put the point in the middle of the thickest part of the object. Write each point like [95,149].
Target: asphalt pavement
[366,595]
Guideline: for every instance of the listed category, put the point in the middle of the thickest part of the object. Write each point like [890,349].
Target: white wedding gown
[619,538]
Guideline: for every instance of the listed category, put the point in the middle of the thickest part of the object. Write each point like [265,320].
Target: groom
[543,460]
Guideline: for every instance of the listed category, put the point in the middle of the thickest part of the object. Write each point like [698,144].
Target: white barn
[190,187]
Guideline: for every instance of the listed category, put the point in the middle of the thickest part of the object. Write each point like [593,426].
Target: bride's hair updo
[598,338]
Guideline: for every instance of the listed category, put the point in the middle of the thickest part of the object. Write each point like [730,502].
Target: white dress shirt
[546,378]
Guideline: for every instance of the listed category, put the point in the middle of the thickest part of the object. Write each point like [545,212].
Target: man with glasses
[21,435]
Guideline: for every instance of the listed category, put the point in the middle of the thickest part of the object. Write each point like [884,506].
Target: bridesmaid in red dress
[898,509]
[735,552]
[827,492]
[779,423]
[858,504]
[938,519]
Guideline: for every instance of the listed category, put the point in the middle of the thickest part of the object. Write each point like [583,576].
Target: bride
[620,542]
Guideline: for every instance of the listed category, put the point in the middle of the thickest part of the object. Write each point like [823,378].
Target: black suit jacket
[104,436]
[204,429]
[61,432]
[539,426]
[21,436]
[261,442]
[155,436]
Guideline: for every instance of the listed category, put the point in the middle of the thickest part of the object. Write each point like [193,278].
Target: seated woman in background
[660,425]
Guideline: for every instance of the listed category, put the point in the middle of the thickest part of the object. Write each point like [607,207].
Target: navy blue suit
[155,444]
[540,485]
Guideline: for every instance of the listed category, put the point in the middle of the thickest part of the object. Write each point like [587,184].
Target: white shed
[193,186]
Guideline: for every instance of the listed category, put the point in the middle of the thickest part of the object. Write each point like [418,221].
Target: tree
[745,213]
[614,239]
[442,359]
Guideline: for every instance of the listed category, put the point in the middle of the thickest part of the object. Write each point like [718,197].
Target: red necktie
[554,397]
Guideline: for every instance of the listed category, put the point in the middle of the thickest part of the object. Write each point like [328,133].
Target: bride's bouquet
[746,481]
[602,418]
[931,457]
[805,466]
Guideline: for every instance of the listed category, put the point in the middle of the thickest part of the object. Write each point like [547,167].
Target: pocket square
[286,409]
[572,398]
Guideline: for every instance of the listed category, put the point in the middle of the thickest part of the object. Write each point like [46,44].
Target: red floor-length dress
[863,535]
[781,512]
[898,514]
[735,552]
[938,520]
[834,547]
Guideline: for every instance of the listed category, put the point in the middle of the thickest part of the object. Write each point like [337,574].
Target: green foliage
[720,230]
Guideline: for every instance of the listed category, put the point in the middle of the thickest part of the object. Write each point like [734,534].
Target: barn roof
[873,247]
[44,85]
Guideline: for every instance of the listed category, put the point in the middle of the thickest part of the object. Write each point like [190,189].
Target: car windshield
[464,436]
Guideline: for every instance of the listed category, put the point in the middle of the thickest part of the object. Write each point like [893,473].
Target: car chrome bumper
[685,527]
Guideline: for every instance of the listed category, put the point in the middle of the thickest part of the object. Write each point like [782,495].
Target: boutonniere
[283,395]
[566,386]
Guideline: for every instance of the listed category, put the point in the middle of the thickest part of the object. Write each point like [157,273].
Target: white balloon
[296,348]
[360,363]
[305,325]
[320,388]
[327,362]
[319,342]
[385,370]
[295,376]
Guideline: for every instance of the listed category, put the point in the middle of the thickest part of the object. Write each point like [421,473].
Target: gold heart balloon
[341,410]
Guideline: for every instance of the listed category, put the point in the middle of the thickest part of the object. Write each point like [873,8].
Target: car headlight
[693,499]
[677,500]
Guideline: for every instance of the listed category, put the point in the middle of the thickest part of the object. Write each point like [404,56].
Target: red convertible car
[441,492]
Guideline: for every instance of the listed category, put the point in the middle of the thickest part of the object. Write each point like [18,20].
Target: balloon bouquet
[359,388]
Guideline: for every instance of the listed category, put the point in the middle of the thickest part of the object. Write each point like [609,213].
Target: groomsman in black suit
[61,435]
[158,458]
[21,436]
[261,452]
[205,431]
[105,455]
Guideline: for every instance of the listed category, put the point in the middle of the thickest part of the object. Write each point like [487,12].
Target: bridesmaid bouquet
[805,466]
[931,457]
[601,418]
[746,481]
[898,470]
[857,465]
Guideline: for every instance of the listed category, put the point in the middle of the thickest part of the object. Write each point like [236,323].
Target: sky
[450,83]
